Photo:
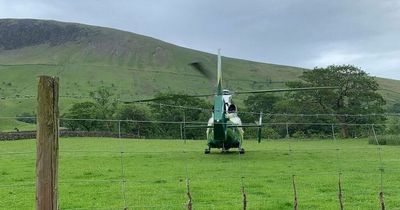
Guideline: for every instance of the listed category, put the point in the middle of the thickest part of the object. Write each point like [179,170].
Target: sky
[303,33]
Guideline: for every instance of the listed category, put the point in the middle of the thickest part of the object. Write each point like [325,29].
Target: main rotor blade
[166,98]
[283,90]
[200,68]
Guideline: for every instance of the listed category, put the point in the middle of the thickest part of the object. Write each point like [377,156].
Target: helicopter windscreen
[232,108]
[226,92]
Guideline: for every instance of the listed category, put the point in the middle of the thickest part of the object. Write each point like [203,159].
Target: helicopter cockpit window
[226,92]
[232,108]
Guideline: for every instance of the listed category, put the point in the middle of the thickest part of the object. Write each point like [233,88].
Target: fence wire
[186,186]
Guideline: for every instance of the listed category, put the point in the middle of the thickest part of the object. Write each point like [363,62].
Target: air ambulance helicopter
[224,128]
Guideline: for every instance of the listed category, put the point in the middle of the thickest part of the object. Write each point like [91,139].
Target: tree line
[356,94]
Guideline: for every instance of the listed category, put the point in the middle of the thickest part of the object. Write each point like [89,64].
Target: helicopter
[224,128]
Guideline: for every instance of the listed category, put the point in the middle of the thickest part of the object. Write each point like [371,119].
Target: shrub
[269,133]
[385,140]
[299,134]
[27,117]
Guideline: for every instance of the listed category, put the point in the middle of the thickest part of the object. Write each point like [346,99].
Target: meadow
[106,173]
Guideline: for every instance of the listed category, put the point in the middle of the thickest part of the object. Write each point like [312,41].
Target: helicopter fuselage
[223,132]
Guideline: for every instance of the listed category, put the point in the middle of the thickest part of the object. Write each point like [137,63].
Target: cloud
[335,57]
[26,9]
[383,64]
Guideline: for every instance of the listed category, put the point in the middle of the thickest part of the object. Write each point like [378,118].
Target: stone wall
[7,136]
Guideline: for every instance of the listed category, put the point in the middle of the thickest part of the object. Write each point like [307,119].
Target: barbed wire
[198,179]
[203,180]
[17,96]
[122,178]
[198,108]
[381,167]
[339,169]
[276,114]
[201,122]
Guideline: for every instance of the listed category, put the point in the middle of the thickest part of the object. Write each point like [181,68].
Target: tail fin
[219,74]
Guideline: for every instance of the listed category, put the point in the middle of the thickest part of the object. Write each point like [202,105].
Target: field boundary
[21,135]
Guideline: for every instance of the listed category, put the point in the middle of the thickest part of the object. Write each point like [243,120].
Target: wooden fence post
[47,144]
[295,203]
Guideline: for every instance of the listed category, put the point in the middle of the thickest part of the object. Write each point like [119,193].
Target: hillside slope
[133,66]
[87,52]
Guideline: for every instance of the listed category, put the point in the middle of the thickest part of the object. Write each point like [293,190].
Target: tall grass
[385,140]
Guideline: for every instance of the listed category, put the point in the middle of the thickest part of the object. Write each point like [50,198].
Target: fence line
[209,109]
[270,114]
[245,200]
[193,150]
[339,169]
[381,168]
[197,122]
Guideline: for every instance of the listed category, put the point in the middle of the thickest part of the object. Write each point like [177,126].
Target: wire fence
[126,173]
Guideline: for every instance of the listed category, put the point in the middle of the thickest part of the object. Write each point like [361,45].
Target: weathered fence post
[119,128]
[190,201]
[184,125]
[340,194]
[182,130]
[47,144]
[287,130]
[244,198]
[382,200]
[295,202]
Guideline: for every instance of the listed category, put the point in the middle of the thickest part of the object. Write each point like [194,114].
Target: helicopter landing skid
[223,150]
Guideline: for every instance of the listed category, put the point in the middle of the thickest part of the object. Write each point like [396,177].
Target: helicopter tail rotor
[259,128]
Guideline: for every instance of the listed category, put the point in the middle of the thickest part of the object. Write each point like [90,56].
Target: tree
[180,108]
[261,102]
[84,110]
[254,104]
[393,121]
[27,117]
[395,108]
[137,113]
[393,126]
[356,93]
[106,105]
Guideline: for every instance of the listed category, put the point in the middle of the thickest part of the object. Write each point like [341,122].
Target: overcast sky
[304,33]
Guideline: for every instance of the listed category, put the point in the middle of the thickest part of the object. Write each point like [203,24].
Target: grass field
[155,172]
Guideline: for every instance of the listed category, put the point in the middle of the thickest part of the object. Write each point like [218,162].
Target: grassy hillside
[390,89]
[133,66]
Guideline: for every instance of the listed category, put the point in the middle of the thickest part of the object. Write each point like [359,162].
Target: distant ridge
[133,66]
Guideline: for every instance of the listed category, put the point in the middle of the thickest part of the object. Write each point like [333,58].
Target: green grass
[9,125]
[155,173]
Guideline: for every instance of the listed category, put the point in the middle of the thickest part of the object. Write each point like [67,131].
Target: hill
[133,66]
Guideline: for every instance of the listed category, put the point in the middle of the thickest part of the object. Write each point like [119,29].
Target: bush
[299,135]
[27,117]
[269,133]
[393,125]
[385,140]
